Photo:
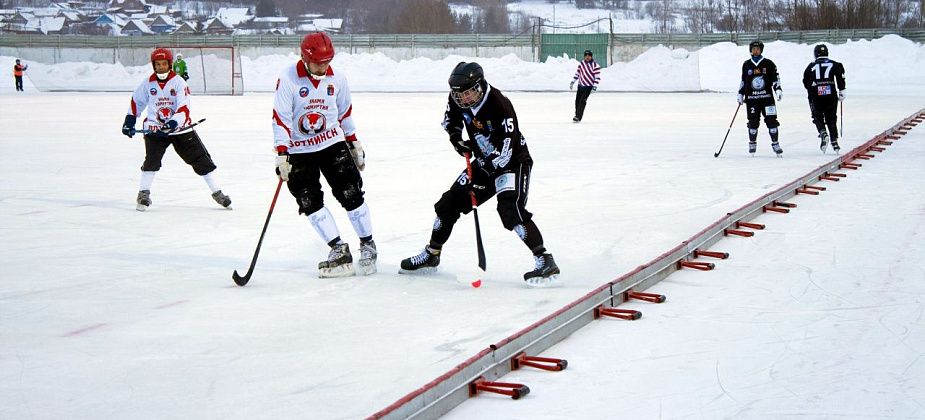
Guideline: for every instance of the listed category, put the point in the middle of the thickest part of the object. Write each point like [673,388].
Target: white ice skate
[366,265]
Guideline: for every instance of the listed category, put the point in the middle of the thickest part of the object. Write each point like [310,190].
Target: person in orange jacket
[18,69]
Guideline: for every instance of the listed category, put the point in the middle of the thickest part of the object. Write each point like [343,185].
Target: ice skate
[546,273]
[222,199]
[366,265]
[776,146]
[338,264]
[824,141]
[143,200]
[575,119]
[425,263]
[752,147]
[835,146]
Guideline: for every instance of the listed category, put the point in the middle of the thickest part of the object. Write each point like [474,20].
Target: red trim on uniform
[280,123]
[346,114]
[301,70]
[282,149]
[134,108]
[351,138]
[184,109]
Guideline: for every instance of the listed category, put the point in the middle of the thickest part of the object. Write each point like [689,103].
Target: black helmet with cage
[756,43]
[821,51]
[467,84]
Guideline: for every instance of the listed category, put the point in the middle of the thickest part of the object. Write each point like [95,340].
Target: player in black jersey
[760,83]
[501,166]
[824,80]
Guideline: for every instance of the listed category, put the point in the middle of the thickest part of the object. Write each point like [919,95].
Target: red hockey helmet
[162,54]
[317,48]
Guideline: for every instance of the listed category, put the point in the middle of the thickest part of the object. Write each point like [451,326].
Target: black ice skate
[776,146]
[575,119]
[367,262]
[752,147]
[222,199]
[426,262]
[546,273]
[835,146]
[824,141]
[338,264]
[143,200]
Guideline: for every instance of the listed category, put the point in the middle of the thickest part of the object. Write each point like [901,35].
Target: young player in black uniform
[759,77]
[501,166]
[821,79]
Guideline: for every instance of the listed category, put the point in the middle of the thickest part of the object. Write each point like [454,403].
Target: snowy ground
[106,312]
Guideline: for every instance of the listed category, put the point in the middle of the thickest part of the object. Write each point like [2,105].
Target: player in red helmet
[314,134]
[167,99]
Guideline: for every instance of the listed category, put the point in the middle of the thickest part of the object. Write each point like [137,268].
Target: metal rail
[452,388]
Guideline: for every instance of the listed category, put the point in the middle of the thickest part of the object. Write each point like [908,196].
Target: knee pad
[308,202]
[753,123]
[511,214]
[203,165]
[772,122]
[350,197]
[448,209]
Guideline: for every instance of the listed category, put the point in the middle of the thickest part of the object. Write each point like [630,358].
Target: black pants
[755,108]
[187,145]
[18,83]
[825,114]
[581,100]
[338,168]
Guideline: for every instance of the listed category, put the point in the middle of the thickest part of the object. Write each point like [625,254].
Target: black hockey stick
[841,131]
[238,279]
[185,127]
[727,131]
[475,213]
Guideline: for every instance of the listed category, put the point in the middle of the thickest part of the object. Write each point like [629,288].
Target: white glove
[780,94]
[359,155]
[741,99]
[571,85]
[841,95]
[283,168]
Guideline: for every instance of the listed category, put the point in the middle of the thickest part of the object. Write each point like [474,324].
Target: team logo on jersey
[153,92]
[163,114]
[330,90]
[758,83]
[173,92]
[312,123]
[303,92]
[477,124]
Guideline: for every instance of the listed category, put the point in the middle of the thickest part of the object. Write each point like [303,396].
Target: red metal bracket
[783,204]
[648,297]
[828,177]
[865,156]
[627,314]
[757,226]
[711,254]
[546,363]
[836,174]
[876,149]
[807,191]
[774,209]
[514,391]
[852,166]
[727,232]
[892,137]
[884,142]
[702,266]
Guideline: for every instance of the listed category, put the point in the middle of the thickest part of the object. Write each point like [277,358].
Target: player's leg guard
[190,148]
[154,153]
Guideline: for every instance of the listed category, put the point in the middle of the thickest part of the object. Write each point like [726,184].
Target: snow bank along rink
[111,313]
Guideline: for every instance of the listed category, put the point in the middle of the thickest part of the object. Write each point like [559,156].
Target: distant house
[111,19]
[234,16]
[163,24]
[136,27]
[215,26]
[186,28]
[329,25]
[278,25]
[128,6]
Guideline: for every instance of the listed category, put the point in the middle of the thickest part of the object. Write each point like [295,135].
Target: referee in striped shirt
[588,76]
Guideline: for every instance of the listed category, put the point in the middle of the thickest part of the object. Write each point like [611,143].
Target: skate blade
[543,282]
[366,267]
[424,270]
[343,270]
[141,207]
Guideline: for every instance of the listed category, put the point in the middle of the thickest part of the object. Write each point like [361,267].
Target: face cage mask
[458,96]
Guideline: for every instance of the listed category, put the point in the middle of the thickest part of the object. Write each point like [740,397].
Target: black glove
[165,130]
[456,139]
[128,127]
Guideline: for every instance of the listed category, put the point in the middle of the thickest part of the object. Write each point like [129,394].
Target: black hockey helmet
[588,52]
[756,43]
[821,51]
[467,84]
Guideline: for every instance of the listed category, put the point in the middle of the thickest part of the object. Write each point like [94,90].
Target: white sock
[362,223]
[147,178]
[213,184]
[324,224]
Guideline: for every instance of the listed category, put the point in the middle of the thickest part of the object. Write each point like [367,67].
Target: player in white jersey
[166,97]
[313,134]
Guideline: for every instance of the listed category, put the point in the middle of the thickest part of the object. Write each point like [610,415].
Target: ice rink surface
[106,312]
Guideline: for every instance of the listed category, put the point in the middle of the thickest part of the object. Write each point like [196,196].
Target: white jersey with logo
[310,115]
[167,100]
